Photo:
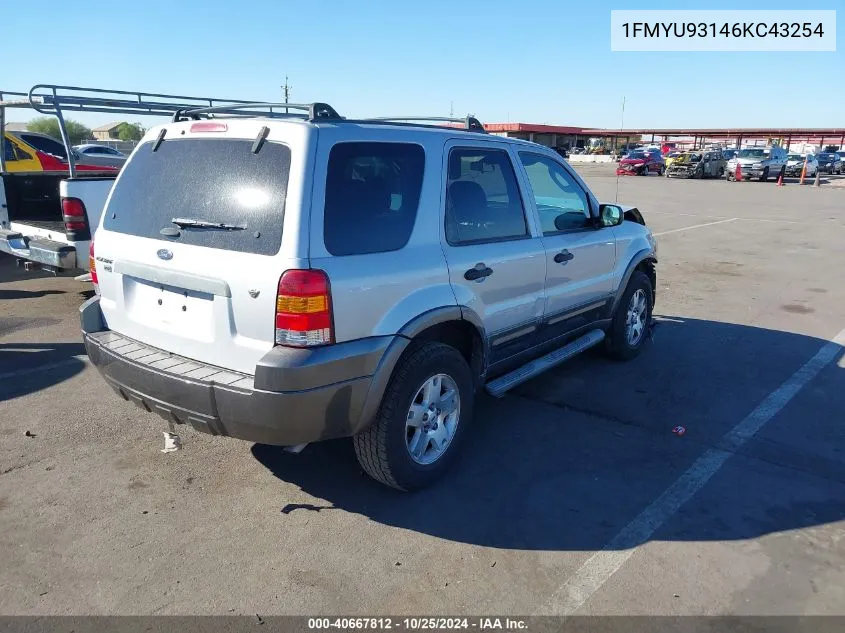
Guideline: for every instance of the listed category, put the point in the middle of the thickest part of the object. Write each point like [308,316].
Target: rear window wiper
[191,223]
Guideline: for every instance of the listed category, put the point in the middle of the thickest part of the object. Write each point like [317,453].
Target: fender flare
[645,254]
[387,364]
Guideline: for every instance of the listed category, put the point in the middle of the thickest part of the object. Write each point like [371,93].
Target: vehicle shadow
[29,367]
[573,456]
[28,294]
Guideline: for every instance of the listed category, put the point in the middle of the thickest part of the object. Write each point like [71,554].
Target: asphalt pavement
[574,496]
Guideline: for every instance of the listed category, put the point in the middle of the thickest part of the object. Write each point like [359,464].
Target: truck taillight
[73,212]
[92,266]
[304,309]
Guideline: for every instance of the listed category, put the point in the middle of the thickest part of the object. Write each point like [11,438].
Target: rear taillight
[92,266]
[304,309]
[73,212]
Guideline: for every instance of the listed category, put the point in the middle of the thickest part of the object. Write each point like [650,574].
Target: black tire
[765,175]
[381,448]
[661,170]
[644,171]
[616,344]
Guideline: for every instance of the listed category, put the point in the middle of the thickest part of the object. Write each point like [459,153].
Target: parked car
[641,163]
[19,157]
[830,163]
[93,154]
[757,162]
[795,165]
[365,285]
[841,154]
[700,164]
[669,158]
[34,152]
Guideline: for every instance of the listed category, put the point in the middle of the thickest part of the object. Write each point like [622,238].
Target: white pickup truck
[50,204]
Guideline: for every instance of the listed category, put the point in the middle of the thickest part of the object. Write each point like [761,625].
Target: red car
[53,156]
[641,162]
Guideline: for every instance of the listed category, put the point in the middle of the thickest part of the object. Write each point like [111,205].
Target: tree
[130,131]
[49,125]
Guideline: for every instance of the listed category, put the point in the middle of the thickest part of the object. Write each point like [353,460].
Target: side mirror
[610,215]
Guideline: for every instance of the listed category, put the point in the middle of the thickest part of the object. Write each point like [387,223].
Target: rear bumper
[286,402]
[40,250]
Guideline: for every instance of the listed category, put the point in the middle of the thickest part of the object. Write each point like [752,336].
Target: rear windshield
[208,180]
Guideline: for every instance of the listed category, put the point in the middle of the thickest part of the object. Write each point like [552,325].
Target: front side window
[482,198]
[372,195]
[561,203]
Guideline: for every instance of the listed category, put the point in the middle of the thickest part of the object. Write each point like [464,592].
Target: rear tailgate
[207,294]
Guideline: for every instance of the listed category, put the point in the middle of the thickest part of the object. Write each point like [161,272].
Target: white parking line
[695,226]
[706,215]
[607,561]
[34,370]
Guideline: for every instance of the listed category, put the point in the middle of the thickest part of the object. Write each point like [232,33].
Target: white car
[93,154]
[795,163]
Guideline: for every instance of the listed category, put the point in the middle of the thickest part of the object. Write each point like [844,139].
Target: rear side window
[46,145]
[208,180]
[372,195]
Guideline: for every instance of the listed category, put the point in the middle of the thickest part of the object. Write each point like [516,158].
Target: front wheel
[423,417]
[629,329]
[765,175]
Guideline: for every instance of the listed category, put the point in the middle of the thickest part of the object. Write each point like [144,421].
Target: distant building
[106,132]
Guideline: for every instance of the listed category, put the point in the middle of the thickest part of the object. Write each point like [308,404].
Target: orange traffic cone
[738,173]
[780,177]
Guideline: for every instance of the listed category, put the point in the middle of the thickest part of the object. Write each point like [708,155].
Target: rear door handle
[478,272]
[564,256]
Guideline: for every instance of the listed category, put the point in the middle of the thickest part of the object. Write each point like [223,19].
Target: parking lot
[574,496]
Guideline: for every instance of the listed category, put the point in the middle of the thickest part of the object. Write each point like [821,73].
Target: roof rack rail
[315,111]
[470,122]
[53,99]
[50,98]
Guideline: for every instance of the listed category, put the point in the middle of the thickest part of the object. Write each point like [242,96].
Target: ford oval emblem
[165,254]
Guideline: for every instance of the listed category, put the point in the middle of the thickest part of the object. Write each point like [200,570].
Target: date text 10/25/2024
[418,623]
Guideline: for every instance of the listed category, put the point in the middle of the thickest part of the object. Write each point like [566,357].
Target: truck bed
[32,198]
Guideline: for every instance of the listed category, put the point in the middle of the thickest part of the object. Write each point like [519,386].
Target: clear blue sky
[528,60]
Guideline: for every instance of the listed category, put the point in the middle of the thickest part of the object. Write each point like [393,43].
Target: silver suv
[289,279]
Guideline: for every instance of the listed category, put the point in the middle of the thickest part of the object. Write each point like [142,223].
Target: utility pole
[286,90]
[451,109]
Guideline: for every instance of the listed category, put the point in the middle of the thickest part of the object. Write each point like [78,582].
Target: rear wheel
[422,419]
[629,329]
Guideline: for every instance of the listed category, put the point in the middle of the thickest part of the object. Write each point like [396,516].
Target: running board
[498,387]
